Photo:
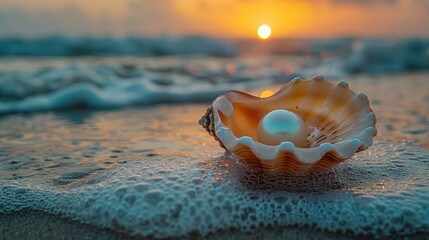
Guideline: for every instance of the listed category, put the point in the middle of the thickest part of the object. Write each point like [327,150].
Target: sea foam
[105,86]
[380,192]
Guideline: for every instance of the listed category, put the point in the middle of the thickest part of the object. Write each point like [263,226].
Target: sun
[266,93]
[264,31]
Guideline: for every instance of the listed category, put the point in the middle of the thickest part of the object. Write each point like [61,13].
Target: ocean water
[114,142]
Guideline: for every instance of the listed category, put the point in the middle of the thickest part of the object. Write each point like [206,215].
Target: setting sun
[264,31]
[266,93]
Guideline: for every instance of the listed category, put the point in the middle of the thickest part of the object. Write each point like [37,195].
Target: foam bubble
[380,192]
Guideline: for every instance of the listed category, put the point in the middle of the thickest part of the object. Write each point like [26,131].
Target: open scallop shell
[341,123]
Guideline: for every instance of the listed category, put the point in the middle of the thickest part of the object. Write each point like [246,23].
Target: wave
[378,56]
[114,82]
[114,86]
[108,46]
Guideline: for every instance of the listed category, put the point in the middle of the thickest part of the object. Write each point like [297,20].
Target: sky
[218,18]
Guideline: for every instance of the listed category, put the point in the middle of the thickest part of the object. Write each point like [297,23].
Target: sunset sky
[219,18]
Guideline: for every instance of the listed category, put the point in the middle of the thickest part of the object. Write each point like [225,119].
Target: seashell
[338,123]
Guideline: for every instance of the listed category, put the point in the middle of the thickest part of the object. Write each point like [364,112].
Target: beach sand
[62,154]
[40,225]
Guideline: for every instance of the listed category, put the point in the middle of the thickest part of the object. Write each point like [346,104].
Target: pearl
[281,126]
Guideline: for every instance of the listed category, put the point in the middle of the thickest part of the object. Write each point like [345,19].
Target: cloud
[334,1]
[143,17]
[213,17]
[23,23]
[365,1]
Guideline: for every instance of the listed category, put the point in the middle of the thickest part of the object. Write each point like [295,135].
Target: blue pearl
[281,126]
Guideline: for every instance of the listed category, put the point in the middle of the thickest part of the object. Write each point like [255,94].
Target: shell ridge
[318,120]
[347,149]
[308,103]
[223,105]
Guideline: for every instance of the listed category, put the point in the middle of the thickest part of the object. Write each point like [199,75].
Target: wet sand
[29,224]
[69,149]
[39,225]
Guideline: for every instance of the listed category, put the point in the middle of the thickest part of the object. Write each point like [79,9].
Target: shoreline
[31,224]
[34,224]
